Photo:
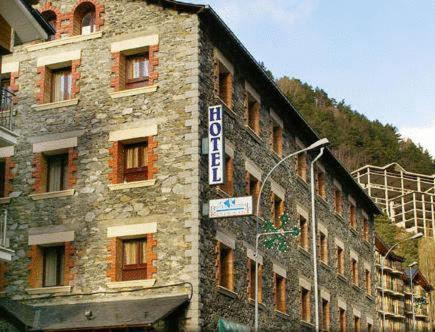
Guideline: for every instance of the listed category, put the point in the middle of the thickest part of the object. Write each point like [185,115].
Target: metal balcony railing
[6,103]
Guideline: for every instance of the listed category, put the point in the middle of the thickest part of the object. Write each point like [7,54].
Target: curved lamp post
[320,144]
[414,237]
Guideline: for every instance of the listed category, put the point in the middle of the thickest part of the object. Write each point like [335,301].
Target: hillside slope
[356,140]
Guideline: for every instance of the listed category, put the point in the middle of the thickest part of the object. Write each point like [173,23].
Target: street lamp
[316,145]
[414,237]
[314,239]
[412,293]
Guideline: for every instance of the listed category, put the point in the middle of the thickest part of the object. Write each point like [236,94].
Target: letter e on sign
[216,158]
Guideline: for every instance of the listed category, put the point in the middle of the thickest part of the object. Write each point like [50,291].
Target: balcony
[7,135]
[5,252]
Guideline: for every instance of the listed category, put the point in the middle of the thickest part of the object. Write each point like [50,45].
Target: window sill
[325,265]
[130,185]
[231,112]
[57,104]
[226,292]
[341,277]
[339,216]
[133,92]
[52,194]
[356,287]
[311,325]
[322,200]
[282,314]
[147,283]
[222,193]
[64,41]
[254,135]
[304,251]
[353,230]
[261,305]
[49,290]
[370,297]
[276,155]
[302,181]
[5,200]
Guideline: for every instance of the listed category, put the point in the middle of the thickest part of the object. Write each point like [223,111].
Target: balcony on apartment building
[5,251]
[8,136]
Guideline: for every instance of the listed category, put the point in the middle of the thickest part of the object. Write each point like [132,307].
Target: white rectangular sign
[230,207]
[215,145]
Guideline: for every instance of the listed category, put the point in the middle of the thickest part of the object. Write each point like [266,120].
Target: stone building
[107,189]
[421,290]
[393,284]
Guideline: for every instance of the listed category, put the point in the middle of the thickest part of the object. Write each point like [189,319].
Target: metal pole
[5,227]
[314,241]
[256,281]
[257,214]
[412,299]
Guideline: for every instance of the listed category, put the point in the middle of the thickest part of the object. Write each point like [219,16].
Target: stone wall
[218,303]
[172,202]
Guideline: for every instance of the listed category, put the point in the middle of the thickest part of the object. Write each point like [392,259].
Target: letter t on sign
[216,158]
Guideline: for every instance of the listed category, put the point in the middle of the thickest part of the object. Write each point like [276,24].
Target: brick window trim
[114,261]
[35,267]
[9,176]
[68,29]
[116,162]
[39,173]
[44,90]
[118,68]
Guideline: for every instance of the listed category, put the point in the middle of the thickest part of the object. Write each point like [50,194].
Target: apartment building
[393,306]
[108,188]
[407,198]
[418,319]
[22,23]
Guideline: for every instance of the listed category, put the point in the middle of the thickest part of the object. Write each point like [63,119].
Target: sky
[379,56]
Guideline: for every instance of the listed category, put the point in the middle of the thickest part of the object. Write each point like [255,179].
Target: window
[306,305]
[2,178]
[320,184]
[302,166]
[354,265]
[338,200]
[225,85]
[84,19]
[280,293]
[326,315]
[57,172]
[340,260]
[228,186]
[61,84]
[226,265]
[277,139]
[357,324]
[324,248]
[253,114]
[366,229]
[136,162]
[369,327]
[50,17]
[352,215]
[134,259]
[277,210]
[137,68]
[251,271]
[303,238]
[53,266]
[252,188]
[368,280]
[342,317]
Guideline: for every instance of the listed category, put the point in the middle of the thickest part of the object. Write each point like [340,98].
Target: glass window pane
[130,252]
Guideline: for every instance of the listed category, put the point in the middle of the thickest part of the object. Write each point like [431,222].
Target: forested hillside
[356,140]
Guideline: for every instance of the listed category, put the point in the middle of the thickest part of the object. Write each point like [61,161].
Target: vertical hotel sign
[215,145]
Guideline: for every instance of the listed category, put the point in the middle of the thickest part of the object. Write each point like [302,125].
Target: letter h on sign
[216,158]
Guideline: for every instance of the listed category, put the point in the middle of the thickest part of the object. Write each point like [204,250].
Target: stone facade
[170,206]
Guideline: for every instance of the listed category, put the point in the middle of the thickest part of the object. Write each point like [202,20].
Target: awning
[92,315]
[228,326]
